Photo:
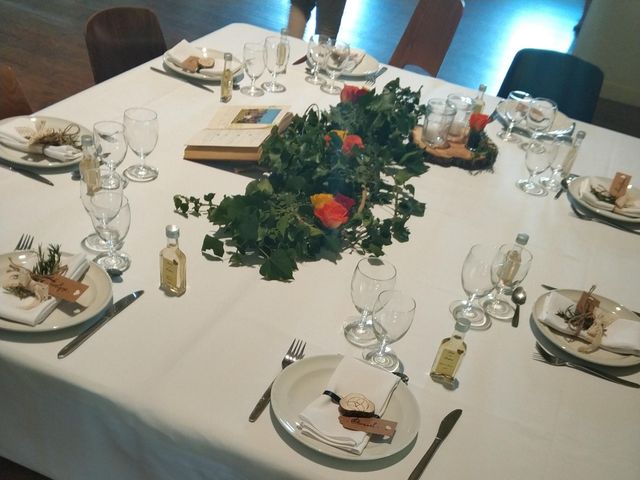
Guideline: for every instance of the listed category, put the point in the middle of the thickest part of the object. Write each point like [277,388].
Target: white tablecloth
[165,389]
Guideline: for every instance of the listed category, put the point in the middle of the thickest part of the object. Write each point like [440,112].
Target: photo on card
[256,116]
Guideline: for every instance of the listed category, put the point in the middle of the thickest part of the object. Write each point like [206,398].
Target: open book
[237,133]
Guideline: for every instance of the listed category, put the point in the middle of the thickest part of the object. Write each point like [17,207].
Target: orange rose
[351,93]
[320,199]
[478,121]
[351,141]
[332,214]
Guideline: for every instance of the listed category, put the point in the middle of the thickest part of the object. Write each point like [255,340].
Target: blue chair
[574,84]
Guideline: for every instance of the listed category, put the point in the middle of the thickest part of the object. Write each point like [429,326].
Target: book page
[230,138]
[248,117]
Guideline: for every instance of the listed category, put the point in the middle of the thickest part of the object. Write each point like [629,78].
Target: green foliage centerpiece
[323,176]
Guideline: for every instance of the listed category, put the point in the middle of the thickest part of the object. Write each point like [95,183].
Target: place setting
[196,63]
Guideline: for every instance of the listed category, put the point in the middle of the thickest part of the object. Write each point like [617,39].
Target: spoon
[519,296]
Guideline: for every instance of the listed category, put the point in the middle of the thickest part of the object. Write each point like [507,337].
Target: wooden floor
[43,40]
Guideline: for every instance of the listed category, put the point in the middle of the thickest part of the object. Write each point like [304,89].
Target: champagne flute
[334,63]
[392,317]
[112,229]
[476,282]
[317,51]
[538,157]
[253,55]
[141,132]
[515,109]
[371,276]
[111,147]
[276,56]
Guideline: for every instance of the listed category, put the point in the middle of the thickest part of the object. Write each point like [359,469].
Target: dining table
[164,390]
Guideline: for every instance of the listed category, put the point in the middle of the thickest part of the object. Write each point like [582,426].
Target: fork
[541,355]
[295,353]
[25,242]
[371,77]
[582,216]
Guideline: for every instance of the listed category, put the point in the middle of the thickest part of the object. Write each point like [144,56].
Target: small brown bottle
[449,356]
[173,264]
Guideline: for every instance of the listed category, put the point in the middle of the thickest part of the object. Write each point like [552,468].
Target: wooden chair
[121,38]
[574,84]
[13,102]
[428,35]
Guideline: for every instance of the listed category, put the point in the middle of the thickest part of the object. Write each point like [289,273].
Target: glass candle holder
[437,122]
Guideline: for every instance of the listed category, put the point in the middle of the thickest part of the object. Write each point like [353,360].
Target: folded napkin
[10,137]
[319,419]
[631,207]
[13,308]
[621,336]
[183,50]
[355,58]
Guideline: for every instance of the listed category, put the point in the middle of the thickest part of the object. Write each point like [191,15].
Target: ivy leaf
[214,244]
[278,266]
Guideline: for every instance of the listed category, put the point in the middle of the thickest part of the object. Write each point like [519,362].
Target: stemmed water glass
[141,133]
[111,147]
[508,270]
[276,56]
[334,63]
[112,224]
[540,117]
[515,109]
[253,55]
[476,282]
[538,157]
[552,182]
[371,276]
[317,51]
[392,317]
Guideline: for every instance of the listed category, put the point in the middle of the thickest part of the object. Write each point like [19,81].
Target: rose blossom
[345,201]
[332,214]
[351,141]
[351,93]
[320,199]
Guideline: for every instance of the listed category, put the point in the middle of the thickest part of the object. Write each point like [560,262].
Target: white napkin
[622,336]
[10,137]
[319,419]
[355,58]
[12,308]
[630,209]
[183,50]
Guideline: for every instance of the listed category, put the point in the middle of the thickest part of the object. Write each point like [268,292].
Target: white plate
[570,344]
[37,160]
[236,66]
[298,385]
[574,192]
[95,298]
[367,66]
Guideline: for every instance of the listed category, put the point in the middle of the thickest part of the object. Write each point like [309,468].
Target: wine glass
[111,146]
[538,157]
[371,276]
[334,63]
[112,228]
[508,270]
[557,166]
[141,132]
[476,282]
[392,318]
[253,57]
[317,52]
[515,109]
[93,180]
[276,56]
[540,117]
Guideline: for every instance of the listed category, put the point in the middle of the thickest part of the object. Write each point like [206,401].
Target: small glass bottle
[570,158]
[173,264]
[478,102]
[513,260]
[283,51]
[226,83]
[89,165]
[449,356]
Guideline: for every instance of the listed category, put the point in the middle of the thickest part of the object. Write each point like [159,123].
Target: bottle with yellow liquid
[449,356]
[173,264]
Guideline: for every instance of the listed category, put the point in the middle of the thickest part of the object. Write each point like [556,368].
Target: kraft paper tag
[619,185]
[64,288]
[375,426]
[587,304]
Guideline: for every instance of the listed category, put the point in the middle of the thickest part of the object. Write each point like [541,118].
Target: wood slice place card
[619,185]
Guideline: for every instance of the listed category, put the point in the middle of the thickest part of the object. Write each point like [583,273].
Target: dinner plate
[93,301]
[35,159]
[570,344]
[299,384]
[236,66]
[575,187]
[367,66]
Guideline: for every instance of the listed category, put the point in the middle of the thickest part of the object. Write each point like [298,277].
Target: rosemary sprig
[50,264]
[603,195]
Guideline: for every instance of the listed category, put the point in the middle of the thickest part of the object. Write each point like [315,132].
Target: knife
[115,310]
[195,84]
[302,59]
[29,173]
[549,287]
[445,428]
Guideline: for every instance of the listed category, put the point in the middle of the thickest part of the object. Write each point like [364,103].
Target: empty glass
[317,51]
[141,132]
[540,117]
[276,56]
[392,318]
[112,224]
[437,121]
[551,182]
[460,125]
[111,146]
[508,270]
[253,57]
[538,157]
[476,282]
[334,64]
[371,276]
[514,108]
